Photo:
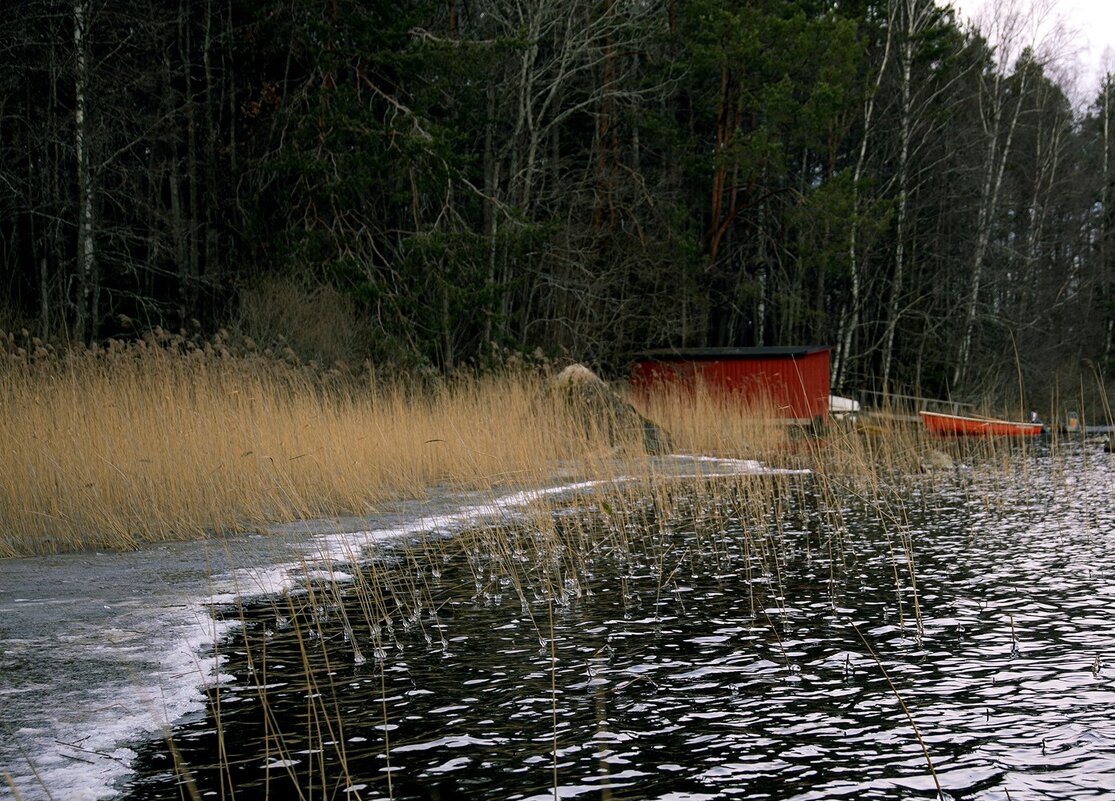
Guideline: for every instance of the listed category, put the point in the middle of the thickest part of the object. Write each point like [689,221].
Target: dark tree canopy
[424,181]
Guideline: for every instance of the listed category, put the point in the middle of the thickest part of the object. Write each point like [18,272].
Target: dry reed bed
[114,447]
[165,439]
[168,439]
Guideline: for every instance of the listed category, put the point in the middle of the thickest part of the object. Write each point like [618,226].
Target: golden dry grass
[702,421]
[110,448]
[169,439]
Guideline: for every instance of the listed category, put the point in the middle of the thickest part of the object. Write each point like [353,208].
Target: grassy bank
[167,439]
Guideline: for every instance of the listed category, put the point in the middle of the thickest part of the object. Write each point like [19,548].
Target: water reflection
[714,658]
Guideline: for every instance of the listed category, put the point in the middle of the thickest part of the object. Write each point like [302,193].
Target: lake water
[100,652]
[697,641]
[839,642]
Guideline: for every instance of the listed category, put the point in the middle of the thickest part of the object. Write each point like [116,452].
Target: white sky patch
[1080,34]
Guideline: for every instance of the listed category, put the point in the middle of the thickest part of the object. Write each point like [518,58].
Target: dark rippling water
[702,667]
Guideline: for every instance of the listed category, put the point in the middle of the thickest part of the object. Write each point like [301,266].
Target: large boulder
[594,404]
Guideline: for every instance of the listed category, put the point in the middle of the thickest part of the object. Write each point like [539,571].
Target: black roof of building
[693,354]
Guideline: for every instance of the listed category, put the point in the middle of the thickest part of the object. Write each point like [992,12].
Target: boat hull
[952,425]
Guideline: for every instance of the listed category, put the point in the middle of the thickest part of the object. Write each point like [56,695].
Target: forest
[430,184]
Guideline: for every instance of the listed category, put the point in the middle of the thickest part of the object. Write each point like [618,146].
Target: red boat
[953,425]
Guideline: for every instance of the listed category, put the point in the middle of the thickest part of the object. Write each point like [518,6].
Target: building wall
[796,386]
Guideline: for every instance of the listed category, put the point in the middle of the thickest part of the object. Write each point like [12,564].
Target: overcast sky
[1091,24]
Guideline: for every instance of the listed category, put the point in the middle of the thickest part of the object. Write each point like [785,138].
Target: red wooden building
[792,380]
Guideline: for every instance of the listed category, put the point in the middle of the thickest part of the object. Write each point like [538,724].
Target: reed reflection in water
[715,656]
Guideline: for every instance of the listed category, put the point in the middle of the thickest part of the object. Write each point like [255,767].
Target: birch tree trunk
[915,16]
[1048,146]
[87,289]
[1024,35]
[994,166]
[1107,224]
[850,320]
